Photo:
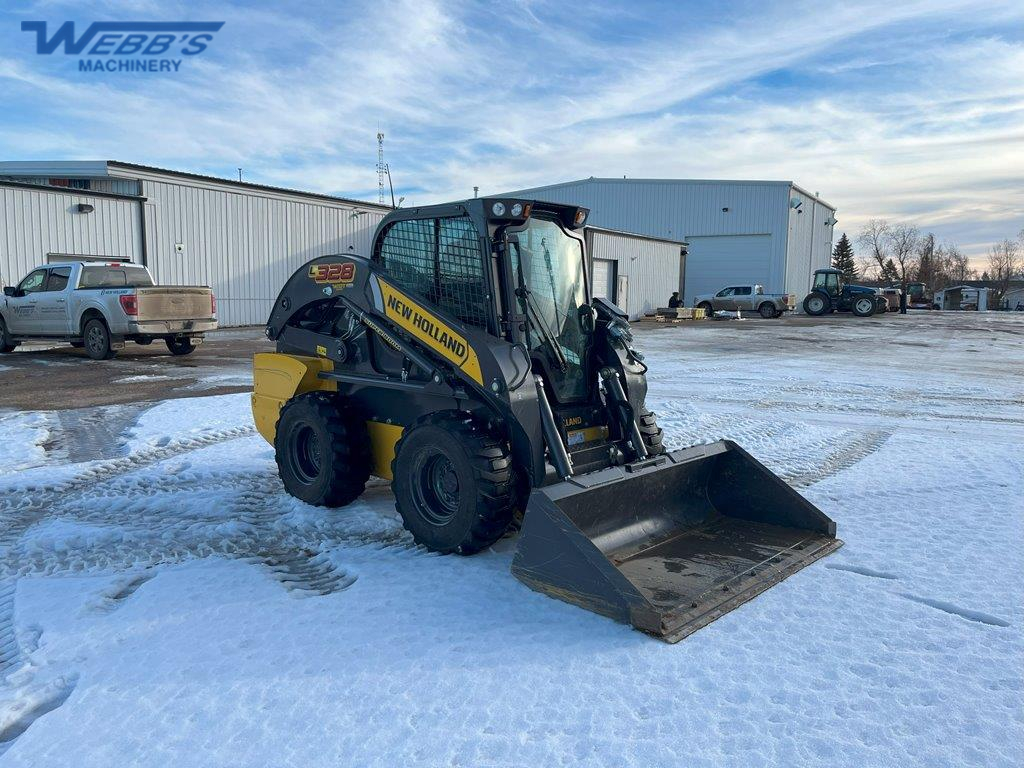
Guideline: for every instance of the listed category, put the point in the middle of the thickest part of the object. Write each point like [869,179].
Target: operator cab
[828,281]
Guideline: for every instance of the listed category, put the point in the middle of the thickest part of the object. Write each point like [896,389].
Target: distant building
[244,240]
[772,233]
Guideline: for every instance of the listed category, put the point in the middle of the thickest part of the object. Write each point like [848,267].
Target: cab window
[34,282]
[743,290]
[59,277]
[724,292]
[440,261]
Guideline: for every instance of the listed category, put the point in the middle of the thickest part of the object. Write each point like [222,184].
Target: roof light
[517,209]
[581,216]
[498,209]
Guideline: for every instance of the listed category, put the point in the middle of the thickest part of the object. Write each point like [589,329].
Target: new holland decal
[432,331]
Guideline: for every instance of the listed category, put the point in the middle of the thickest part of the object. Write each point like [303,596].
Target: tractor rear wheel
[322,450]
[863,306]
[454,484]
[816,304]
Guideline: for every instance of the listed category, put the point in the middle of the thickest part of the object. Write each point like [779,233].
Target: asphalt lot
[46,377]
[49,377]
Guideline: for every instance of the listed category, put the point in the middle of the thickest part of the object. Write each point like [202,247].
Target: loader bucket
[671,543]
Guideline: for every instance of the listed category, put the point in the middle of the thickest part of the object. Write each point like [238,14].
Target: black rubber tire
[96,337]
[650,432]
[6,344]
[178,347]
[454,484]
[812,308]
[767,310]
[322,450]
[863,311]
[708,308]
[144,342]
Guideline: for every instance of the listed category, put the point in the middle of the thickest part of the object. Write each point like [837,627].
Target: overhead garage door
[713,263]
[602,279]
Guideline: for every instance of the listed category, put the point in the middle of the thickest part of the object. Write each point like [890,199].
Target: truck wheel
[816,304]
[454,485]
[709,310]
[322,450]
[6,344]
[97,340]
[650,432]
[179,346]
[863,307]
[767,310]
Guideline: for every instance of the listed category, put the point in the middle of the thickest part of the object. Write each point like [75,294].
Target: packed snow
[164,602]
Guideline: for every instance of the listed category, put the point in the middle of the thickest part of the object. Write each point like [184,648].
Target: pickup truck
[751,298]
[100,306]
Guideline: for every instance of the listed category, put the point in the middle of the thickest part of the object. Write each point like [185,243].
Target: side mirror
[10,290]
[588,319]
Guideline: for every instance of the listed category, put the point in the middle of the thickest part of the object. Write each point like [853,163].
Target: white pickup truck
[748,298]
[100,306]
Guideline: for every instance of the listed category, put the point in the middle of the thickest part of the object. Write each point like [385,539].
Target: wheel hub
[308,454]
[437,489]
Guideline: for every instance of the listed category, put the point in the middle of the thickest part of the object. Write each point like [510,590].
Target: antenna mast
[381,168]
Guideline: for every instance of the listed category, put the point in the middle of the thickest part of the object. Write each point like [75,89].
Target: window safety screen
[440,260]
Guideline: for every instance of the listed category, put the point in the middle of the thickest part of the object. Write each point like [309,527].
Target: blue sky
[911,111]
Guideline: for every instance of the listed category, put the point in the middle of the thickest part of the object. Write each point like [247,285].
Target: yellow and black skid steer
[465,361]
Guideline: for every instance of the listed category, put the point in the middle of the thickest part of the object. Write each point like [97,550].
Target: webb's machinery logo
[127,46]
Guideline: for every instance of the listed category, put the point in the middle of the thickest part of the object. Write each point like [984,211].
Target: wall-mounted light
[85,208]
[795,203]
[725,210]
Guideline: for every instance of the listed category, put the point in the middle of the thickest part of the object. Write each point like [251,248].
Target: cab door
[22,313]
[743,297]
[724,300]
[53,303]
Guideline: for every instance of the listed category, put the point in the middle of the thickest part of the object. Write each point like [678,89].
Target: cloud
[902,110]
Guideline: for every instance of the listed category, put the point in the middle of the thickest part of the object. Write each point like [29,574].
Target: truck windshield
[549,264]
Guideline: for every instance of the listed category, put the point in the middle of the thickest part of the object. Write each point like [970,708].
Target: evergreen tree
[842,258]
[889,273]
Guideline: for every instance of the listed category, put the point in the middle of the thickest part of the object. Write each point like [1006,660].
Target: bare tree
[956,266]
[929,261]
[1004,263]
[903,240]
[874,237]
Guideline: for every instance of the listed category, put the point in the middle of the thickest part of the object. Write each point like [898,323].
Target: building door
[602,279]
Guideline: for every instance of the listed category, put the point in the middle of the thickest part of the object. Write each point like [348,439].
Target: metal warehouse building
[244,240]
[769,232]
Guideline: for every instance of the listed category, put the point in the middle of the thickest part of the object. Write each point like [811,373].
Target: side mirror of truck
[10,290]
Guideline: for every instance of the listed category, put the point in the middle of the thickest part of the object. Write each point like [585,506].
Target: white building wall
[810,242]
[651,266]
[243,242]
[38,222]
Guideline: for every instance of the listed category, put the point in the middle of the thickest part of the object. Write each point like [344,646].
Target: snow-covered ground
[165,603]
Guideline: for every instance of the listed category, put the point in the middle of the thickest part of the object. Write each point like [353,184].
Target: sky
[908,111]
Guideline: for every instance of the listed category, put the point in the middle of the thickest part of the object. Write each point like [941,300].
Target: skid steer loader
[466,362]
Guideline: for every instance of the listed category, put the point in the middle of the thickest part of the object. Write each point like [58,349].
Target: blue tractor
[831,293]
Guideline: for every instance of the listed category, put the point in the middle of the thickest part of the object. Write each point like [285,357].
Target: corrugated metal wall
[723,260]
[683,209]
[652,267]
[810,243]
[38,222]
[244,243]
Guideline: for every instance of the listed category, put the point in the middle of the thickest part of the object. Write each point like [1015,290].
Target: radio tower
[381,168]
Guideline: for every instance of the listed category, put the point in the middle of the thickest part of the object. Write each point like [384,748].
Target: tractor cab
[829,281]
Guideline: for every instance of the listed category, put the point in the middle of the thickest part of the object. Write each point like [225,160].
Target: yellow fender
[277,378]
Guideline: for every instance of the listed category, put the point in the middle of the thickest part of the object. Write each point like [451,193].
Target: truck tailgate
[174,302]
